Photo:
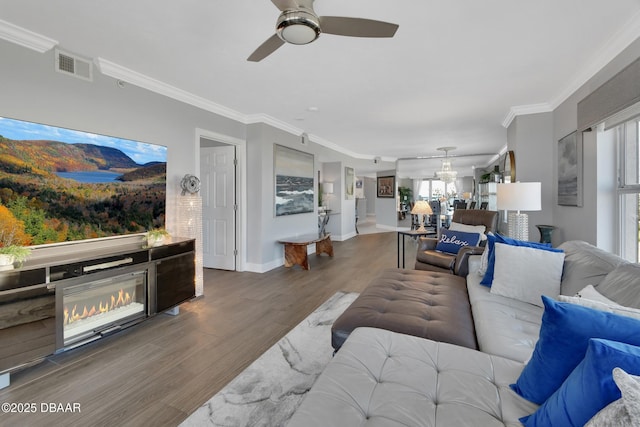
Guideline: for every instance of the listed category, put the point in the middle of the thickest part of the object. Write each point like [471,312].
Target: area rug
[271,388]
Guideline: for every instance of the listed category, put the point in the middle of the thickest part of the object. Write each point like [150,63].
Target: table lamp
[519,196]
[421,208]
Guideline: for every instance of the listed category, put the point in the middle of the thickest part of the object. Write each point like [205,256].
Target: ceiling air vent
[68,63]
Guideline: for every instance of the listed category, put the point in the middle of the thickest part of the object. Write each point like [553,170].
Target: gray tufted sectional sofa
[384,378]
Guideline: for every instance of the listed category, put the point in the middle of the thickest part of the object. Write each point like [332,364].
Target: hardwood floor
[158,372]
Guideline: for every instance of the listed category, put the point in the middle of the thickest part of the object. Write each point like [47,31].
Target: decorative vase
[545,232]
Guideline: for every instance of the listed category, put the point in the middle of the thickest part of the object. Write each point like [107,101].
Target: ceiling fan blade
[285,4]
[356,27]
[266,48]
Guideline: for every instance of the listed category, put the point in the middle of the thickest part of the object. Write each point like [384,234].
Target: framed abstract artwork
[294,173]
[570,170]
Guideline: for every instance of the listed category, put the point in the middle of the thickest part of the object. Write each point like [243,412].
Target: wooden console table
[295,248]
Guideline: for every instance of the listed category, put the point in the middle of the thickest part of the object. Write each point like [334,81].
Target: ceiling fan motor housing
[298,27]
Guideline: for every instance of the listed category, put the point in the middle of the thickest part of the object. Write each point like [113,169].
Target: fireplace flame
[109,303]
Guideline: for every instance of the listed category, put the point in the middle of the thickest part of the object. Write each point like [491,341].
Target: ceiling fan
[299,24]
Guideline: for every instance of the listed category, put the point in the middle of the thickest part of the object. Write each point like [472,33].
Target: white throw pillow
[589,292]
[480,229]
[590,297]
[526,274]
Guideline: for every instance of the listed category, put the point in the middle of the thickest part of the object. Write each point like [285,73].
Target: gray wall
[342,223]
[386,210]
[331,172]
[263,227]
[534,139]
[582,222]
[31,90]
[531,137]
[370,194]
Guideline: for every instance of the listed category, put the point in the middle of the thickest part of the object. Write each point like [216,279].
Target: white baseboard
[263,268]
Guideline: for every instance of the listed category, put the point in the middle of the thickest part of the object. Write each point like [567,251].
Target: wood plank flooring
[158,372]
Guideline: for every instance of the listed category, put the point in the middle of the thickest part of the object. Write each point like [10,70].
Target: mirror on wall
[509,167]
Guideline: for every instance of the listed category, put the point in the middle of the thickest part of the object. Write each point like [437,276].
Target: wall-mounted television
[60,185]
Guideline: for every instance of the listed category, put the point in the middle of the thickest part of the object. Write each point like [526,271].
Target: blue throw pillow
[492,239]
[452,241]
[564,335]
[589,388]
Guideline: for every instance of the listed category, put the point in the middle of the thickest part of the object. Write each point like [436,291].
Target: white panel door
[218,207]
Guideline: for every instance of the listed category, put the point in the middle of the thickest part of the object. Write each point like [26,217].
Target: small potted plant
[156,236]
[9,255]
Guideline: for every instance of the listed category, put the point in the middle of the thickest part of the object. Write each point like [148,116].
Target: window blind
[617,94]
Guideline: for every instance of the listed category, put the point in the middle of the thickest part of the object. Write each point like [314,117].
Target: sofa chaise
[385,378]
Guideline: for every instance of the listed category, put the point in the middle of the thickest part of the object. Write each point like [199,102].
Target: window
[433,189]
[628,189]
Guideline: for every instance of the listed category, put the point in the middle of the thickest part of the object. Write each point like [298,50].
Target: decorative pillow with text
[451,241]
[480,229]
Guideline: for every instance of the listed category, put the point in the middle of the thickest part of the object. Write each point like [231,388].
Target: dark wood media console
[41,303]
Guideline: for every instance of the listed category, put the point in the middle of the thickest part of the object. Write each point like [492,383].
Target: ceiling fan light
[298,27]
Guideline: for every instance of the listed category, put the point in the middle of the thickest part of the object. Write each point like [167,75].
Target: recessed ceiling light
[313,109]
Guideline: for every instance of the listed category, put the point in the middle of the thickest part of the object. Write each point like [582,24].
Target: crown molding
[25,38]
[286,127]
[273,122]
[119,72]
[335,147]
[339,149]
[612,48]
[519,110]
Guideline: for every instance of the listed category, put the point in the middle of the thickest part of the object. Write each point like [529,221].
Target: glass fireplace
[95,308]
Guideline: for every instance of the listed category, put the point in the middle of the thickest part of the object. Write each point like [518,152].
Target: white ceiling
[454,73]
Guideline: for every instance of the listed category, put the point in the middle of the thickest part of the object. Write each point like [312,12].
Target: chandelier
[446,174]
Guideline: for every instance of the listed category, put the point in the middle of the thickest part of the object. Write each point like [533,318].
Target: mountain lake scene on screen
[61,185]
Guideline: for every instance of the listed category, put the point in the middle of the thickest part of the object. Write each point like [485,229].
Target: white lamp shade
[421,208]
[327,187]
[520,196]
